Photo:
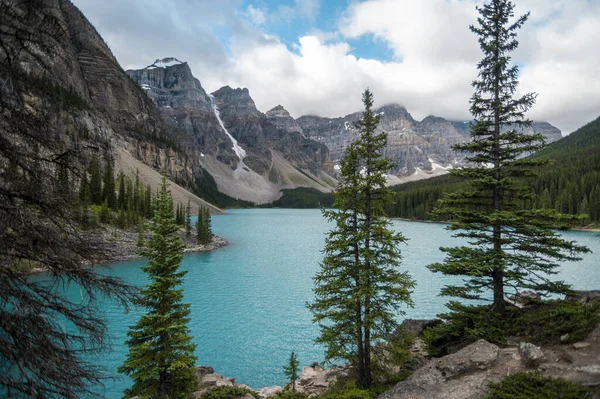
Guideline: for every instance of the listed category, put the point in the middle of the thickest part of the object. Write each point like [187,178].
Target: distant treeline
[302,197]
[570,184]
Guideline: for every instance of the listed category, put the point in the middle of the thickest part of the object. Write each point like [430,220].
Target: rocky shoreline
[124,245]
[313,381]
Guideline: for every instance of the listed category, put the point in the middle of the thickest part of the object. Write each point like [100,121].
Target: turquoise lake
[248,299]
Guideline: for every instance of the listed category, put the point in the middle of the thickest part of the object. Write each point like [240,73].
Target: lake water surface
[248,299]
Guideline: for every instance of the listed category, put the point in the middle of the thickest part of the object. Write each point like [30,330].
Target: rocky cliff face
[250,154]
[115,112]
[414,146]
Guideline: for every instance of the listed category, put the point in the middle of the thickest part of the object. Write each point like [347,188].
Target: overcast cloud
[433,63]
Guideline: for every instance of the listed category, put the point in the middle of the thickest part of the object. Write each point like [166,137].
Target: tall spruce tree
[508,247]
[161,353]
[359,289]
[188,220]
[108,189]
[207,225]
[290,370]
[95,181]
[122,195]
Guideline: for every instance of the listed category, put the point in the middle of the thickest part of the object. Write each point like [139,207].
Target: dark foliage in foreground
[542,322]
[536,386]
[44,337]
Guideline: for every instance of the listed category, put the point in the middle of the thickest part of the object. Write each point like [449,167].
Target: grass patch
[536,386]
[228,393]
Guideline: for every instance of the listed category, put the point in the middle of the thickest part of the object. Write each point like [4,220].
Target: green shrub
[289,395]
[546,322]
[228,393]
[465,324]
[390,355]
[350,393]
[541,323]
[536,386]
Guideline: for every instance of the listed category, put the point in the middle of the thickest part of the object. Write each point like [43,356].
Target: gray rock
[411,144]
[584,296]
[201,371]
[315,380]
[564,338]
[267,392]
[464,374]
[214,380]
[417,326]
[531,355]
[581,345]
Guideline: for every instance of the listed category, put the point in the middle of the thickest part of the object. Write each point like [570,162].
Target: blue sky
[317,56]
[325,18]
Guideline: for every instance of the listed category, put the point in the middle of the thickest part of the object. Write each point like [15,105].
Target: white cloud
[256,15]
[435,54]
[300,9]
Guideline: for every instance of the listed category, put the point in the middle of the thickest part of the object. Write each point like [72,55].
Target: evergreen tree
[83,189]
[137,198]
[161,353]
[108,191]
[105,215]
[141,230]
[201,227]
[188,220]
[95,182]
[509,246]
[291,369]
[207,225]
[359,288]
[148,201]
[122,196]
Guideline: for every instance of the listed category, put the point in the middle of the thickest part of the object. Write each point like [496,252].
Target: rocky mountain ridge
[248,153]
[161,115]
[415,146]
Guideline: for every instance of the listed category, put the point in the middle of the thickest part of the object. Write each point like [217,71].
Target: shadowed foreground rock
[467,373]
[464,374]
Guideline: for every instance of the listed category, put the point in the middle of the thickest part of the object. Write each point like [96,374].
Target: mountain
[114,117]
[419,148]
[248,154]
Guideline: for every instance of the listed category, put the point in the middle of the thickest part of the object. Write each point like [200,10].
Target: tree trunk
[360,367]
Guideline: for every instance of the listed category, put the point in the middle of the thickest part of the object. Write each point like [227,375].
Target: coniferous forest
[570,183]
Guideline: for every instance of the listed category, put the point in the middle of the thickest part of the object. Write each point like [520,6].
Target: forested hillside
[571,184]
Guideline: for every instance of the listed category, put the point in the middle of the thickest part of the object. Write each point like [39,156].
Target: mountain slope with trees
[570,184]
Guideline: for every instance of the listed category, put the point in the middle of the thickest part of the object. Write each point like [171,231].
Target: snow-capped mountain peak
[165,63]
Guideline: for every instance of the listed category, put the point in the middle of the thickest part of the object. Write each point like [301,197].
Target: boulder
[201,371]
[464,374]
[217,380]
[531,355]
[267,392]
[417,326]
[523,298]
[314,380]
[581,345]
[584,296]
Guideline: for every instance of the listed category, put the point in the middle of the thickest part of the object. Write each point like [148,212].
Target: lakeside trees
[203,226]
[359,284]
[161,355]
[510,247]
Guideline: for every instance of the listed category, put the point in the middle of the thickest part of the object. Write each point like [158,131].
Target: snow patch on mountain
[165,63]
[239,151]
